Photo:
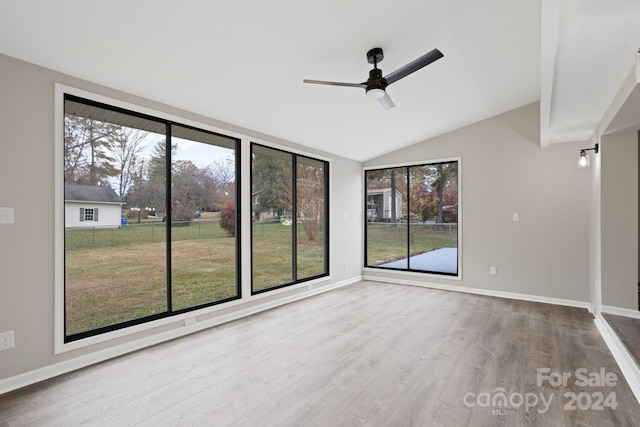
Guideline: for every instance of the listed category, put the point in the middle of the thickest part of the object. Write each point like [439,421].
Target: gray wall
[27,184]
[504,171]
[619,219]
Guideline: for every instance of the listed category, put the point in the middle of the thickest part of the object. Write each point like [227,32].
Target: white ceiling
[588,48]
[243,62]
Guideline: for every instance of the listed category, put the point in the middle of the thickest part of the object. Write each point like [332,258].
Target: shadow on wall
[522,124]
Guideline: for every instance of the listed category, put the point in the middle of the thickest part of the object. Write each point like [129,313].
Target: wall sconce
[583,160]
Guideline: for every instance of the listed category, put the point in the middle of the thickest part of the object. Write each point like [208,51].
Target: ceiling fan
[376,85]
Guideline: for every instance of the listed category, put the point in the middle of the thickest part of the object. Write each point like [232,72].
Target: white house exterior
[91,206]
[379,204]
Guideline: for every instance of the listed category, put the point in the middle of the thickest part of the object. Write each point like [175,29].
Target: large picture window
[162,244]
[290,218]
[412,218]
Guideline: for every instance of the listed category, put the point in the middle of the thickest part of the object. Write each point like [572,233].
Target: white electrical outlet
[516,217]
[6,216]
[346,264]
[6,340]
[492,270]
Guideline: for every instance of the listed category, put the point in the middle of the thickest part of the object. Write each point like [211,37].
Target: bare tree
[126,145]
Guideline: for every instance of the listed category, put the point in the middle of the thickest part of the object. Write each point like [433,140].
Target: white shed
[91,206]
[379,204]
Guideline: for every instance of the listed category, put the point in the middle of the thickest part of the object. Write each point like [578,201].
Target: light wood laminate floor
[371,354]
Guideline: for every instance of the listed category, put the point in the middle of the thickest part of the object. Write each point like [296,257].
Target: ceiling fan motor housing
[376,81]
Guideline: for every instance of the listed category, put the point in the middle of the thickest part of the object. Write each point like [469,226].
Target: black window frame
[238,238]
[294,246]
[407,168]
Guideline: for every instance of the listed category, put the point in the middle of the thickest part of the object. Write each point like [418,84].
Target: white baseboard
[627,364]
[619,311]
[486,292]
[48,372]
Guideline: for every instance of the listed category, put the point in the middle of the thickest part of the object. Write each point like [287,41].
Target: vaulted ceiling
[243,62]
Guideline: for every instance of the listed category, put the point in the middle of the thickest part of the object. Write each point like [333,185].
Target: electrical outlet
[492,270]
[6,340]
[6,216]
[346,264]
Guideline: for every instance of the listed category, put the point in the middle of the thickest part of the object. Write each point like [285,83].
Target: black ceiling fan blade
[413,66]
[322,82]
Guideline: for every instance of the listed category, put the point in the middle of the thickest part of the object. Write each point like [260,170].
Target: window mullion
[168,224]
[325,174]
[294,217]
[408,192]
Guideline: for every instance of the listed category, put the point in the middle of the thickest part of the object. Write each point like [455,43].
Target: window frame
[62,343]
[407,271]
[326,182]
[88,215]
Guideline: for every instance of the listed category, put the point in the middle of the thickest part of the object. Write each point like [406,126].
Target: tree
[439,192]
[442,178]
[394,193]
[186,190]
[218,181]
[157,174]
[310,198]
[418,194]
[87,153]
[158,161]
[228,218]
[126,144]
[272,183]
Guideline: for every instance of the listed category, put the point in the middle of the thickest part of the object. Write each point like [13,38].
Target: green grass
[150,232]
[272,255]
[110,285]
[388,242]
[119,274]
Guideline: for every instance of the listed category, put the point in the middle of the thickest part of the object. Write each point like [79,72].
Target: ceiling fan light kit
[375,93]
[376,84]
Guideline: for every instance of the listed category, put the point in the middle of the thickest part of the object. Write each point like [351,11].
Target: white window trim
[248,303]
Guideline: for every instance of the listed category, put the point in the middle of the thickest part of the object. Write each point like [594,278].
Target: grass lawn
[149,232]
[119,274]
[388,242]
[272,255]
